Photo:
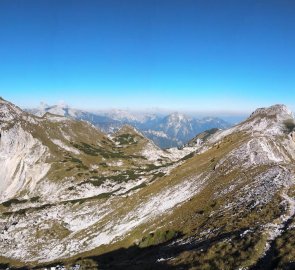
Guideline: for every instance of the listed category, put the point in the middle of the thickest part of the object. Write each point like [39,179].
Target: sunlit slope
[230,206]
[227,205]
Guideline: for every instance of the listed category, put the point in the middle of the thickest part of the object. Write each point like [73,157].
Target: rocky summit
[73,197]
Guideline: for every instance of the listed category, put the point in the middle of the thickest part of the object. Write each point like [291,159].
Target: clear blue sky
[186,54]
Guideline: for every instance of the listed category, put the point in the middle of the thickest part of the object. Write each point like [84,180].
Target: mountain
[202,137]
[168,131]
[75,198]
[129,116]
[57,149]
[178,129]
[104,122]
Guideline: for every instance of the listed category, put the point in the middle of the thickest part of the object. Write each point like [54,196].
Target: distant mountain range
[166,131]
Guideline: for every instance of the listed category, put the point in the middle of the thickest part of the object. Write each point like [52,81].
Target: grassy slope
[224,249]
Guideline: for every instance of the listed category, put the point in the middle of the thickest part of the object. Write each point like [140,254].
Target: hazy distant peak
[43,105]
[127,115]
[178,117]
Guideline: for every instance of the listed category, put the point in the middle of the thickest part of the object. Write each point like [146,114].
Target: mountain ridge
[227,201]
[166,131]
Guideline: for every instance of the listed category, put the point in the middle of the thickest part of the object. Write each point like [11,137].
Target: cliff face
[22,157]
[22,161]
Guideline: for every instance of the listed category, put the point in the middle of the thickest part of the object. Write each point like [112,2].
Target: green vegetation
[289,125]
[83,200]
[73,159]
[226,251]
[284,252]
[122,177]
[188,156]
[13,201]
[157,175]
[142,185]
[123,139]
[96,151]
[158,237]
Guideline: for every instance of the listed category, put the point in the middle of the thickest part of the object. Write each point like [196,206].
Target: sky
[189,55]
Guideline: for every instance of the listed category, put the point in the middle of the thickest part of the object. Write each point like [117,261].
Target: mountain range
[73,197]
[166,131]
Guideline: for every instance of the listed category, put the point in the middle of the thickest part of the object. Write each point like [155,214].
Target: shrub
[158,237]
[289,125]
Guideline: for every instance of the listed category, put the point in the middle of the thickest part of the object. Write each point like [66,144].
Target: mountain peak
[177,117]
[275,110]
[270,120]
[8,111]
[128,129]
[129,116]
[3,101]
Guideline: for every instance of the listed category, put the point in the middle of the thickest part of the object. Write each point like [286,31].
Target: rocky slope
[120,202]
[57,149]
